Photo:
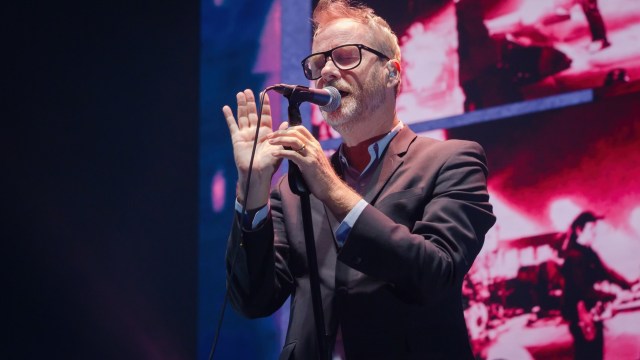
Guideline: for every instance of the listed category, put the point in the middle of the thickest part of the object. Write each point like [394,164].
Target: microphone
[327,98]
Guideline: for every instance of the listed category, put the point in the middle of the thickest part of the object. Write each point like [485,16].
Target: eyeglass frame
[327,54]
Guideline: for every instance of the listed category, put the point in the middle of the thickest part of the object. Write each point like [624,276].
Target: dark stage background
[99,146]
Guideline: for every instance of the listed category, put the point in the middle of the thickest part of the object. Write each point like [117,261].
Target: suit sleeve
[258,277]
[431,257]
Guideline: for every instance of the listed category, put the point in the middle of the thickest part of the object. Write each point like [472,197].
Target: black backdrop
[99,179]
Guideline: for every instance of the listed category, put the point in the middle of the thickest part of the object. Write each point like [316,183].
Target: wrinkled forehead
[340,32]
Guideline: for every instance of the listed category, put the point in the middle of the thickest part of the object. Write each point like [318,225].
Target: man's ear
[394,72]
[392,67]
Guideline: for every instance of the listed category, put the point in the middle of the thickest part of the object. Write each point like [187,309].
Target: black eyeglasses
[344,57]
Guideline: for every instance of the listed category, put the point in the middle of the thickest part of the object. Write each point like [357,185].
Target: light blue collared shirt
[359,181]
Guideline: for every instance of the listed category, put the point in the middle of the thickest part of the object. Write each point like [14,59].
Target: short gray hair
[329,10]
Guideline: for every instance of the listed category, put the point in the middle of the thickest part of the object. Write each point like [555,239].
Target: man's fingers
[304,132]
[243,112]
[291,141]
[299,132]
[252,112]
[249,95]
[248,110]
[231,121]
[266,112]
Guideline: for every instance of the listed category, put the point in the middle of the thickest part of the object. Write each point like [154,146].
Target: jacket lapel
[391,161]
[329,217]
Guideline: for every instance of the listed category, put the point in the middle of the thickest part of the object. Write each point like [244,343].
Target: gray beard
[358,108]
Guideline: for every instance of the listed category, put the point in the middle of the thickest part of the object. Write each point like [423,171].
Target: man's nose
[329,71]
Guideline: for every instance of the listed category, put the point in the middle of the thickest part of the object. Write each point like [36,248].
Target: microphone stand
[300,188]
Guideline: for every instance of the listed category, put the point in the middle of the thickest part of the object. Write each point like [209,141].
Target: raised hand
[243,133]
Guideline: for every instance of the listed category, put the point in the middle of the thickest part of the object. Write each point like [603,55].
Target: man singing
[398,219]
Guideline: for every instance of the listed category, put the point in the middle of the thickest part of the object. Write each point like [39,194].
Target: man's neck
[356,141]
[356,148]
[358,155]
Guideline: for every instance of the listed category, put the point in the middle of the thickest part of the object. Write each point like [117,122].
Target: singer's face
[363,88]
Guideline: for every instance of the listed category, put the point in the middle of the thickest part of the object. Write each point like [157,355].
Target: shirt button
[357,260]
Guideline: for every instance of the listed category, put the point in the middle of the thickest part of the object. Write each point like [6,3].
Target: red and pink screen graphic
[465,55]
[565,190]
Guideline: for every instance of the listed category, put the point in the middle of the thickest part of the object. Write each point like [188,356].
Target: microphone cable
[240,222]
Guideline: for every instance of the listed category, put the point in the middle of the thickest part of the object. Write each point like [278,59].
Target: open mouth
[343,93]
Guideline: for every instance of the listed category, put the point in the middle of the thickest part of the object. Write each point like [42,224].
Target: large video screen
[546,168]
[465,55]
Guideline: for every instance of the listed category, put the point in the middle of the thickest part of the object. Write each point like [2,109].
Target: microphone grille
[334,103]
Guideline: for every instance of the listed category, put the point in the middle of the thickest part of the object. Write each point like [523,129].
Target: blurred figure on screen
[483,77]
[596,24]
[494,67]
[597,27]
[582,269]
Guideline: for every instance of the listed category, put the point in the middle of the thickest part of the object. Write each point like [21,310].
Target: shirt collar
[376,148]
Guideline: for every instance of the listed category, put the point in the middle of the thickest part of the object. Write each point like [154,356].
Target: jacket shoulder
[446,149]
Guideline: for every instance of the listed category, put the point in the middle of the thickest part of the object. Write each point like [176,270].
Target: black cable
[240,221]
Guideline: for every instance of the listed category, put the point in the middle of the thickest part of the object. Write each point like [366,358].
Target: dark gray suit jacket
[395,286]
